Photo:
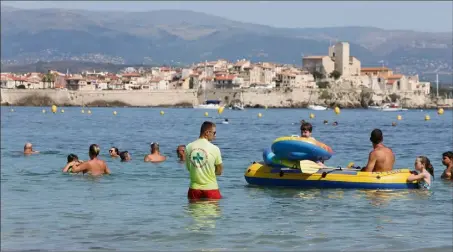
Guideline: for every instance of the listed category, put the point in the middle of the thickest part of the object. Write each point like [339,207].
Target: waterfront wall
[344,98]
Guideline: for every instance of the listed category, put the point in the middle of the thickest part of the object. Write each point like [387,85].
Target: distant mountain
[171,36]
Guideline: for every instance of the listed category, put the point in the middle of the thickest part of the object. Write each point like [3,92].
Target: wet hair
[306,126]
[181,145]
[427,164]
[376,136]
[72,157]
[116,150]
[154,146]
[27,146]
[123,155]
[206,126]
[94,150]
[448,154]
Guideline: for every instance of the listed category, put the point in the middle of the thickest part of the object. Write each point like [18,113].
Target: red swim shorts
[203,194]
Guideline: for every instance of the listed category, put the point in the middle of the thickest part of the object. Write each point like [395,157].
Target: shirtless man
[447,160]
[381,158]
[155,155]
[94,166]
[180,152]
[28,149]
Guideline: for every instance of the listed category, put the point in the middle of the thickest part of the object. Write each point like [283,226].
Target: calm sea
[144,206]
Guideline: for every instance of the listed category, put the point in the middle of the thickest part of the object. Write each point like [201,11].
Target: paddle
[310,167]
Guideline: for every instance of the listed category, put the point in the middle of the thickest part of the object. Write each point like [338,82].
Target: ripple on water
[143,207]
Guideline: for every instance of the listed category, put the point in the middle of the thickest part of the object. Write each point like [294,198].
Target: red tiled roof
[225,77]
[396,76]
[131,75]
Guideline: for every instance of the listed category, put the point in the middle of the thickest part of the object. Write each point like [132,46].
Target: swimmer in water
[335,123]
[73,160]
[94,166]
[125,156]
[393,124]
[155,155]
[114,152]
[28,149]
[326,122]
[447,160]
[425,173]
[180,152]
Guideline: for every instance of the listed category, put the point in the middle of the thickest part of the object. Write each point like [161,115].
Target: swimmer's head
[94,150]
[114,152]
[335,123]
[154,147]
[28,146]
[447,158]
[326,122]
[376,136]
[422,162]
[306,129]
[72,157]
[180,150]
[124,155]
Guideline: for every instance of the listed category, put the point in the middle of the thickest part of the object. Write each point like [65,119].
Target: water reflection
[204,215]
[381,198]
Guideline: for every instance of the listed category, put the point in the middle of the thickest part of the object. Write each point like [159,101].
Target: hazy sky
[413,15]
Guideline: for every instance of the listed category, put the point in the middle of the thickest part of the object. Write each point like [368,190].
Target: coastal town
[337,69]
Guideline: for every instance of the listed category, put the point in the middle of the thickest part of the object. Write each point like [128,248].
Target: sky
[427,16]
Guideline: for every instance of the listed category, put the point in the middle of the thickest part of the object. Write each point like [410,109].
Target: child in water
[425,175]
[73,160]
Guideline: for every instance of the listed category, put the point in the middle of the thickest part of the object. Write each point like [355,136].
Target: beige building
[338,59]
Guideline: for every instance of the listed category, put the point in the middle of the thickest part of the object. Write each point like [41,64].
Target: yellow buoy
[206,114]
[114,112]
[440,111]
[260,115]
[399,118]
[89,112]
[162,112]
[220,110]
[83,111]
[62,110]
[337,110]
[312,115]
[427,118]
[44,111]
[54,109]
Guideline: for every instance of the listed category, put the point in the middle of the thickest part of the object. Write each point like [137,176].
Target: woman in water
[73,161]
[425,175]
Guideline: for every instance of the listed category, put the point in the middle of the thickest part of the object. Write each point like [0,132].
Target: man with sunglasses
[114,152]
[204,162]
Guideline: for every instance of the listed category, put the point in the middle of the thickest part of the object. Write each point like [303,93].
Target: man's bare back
[94,167]
[155,158]
[381,159]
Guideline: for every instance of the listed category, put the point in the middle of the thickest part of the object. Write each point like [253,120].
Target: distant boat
[374,107]
[316,107]
[392,107]
[237,107]
[209,104]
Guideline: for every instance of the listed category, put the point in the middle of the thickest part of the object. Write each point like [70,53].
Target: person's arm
[83,167]
[218,164]
[371,162]
[66,168]
[107,170]
[414,177]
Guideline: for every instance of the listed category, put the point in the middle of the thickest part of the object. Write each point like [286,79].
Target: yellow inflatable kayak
[263,175]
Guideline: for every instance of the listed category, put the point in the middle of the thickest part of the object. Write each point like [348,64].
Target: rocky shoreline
[351,99]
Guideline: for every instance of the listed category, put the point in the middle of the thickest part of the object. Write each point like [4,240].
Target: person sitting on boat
[447,160]
[306,129]
[381,158]
[425,175]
